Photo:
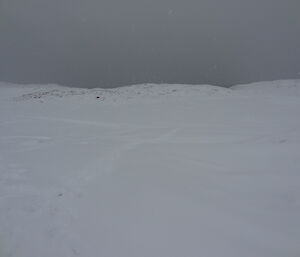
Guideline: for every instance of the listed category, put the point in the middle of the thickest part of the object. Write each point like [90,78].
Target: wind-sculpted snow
[124,93]
[150,170]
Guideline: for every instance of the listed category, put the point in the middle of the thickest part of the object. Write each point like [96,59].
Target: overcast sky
[109,43]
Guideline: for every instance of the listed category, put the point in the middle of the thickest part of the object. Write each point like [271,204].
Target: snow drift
[150,170]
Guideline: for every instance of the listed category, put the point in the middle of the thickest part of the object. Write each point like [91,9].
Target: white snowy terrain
[150,171]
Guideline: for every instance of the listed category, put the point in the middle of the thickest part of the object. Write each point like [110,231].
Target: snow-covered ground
[150,171]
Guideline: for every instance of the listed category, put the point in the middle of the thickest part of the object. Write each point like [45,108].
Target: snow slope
[150,170]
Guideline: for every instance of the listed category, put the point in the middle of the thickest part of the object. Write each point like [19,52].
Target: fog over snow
[150,170]
[138,154]
[108,43]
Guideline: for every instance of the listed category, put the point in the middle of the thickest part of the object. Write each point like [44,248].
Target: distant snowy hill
[278,87]
[150,91]
[150,170]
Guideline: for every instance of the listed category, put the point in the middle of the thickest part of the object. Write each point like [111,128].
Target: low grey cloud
[107,43]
